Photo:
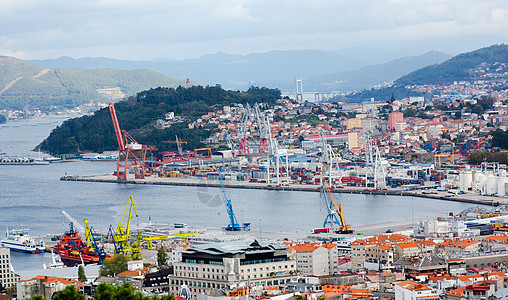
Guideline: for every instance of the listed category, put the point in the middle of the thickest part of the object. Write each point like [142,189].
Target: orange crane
[131,154]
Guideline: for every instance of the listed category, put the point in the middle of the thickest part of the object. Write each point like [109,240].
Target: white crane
[74,222]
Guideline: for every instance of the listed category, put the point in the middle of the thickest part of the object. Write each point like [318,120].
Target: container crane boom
[118,131]
[74,222]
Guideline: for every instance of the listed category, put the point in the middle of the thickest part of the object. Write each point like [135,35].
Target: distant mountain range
[321,70]
[25,85]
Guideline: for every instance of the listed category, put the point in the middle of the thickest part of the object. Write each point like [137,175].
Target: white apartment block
[7,276]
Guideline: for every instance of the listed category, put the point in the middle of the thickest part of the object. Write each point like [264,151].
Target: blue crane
[233,223]
[335,217]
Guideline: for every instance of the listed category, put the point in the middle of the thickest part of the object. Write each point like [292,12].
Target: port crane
[263,131]
[242,132]
[335,216]
[122,233]
[90,235]
[131,154]
[178,143]
[233,222]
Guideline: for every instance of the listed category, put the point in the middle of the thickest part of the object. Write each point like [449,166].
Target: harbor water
[33,196]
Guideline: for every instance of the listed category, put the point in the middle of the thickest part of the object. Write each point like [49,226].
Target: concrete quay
[429,193]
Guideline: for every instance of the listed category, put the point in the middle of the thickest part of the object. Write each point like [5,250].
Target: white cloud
[179,29]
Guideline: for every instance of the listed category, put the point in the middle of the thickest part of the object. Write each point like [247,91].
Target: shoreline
[439,195]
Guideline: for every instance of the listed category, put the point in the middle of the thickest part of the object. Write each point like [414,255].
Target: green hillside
[137,115]
[455,69]
[24,85]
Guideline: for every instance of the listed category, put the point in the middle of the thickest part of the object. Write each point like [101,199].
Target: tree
[105,291]
[113,266]
[162,257]
[37,297]
[69,293]
[392,98]
[81,274]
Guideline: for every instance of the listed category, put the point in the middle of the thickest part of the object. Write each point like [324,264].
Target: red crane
[131,154]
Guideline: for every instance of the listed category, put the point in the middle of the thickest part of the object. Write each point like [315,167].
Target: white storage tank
[465,180]
[475,175]
[501,186]
[482,183]
[491,185]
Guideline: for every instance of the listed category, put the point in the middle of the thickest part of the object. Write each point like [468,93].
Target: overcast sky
[144,29]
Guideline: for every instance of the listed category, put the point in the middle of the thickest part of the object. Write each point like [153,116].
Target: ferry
[19,240]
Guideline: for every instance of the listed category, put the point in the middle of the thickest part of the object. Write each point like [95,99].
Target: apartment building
[377,249]
[316,258]
[7,276]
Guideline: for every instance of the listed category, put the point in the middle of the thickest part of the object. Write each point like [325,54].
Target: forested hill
[138,115]
[28,86]
[460,67]
[457,68]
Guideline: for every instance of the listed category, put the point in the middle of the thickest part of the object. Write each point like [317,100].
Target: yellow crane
[122,233]
[150,239]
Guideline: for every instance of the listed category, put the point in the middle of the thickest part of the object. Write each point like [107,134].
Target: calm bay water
[33,196]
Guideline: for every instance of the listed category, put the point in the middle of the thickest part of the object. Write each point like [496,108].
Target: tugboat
[20,240]
[73,251]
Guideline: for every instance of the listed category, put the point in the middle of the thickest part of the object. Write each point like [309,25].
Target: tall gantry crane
[242,132]
[335,217]
[131,154]
[233,222]
[263,131]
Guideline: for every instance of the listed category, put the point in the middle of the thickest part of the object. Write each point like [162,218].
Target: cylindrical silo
[501,186]
[482,183]
[491,185]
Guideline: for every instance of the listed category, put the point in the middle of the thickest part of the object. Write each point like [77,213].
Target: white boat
[20,240]
[56,262]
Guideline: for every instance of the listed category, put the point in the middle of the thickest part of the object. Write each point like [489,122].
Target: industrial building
[226,266]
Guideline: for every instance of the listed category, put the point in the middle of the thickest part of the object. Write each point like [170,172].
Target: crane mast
[335,217]
[131,154]
[263,134]
[242,134]
[233,222]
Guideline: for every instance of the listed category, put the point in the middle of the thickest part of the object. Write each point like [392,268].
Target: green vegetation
[81,274]
[55,89]
[162,257]
[113,266]
[478,157]
[455,69]
[126,291]
[499,139]
[69,293]
[137,115]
